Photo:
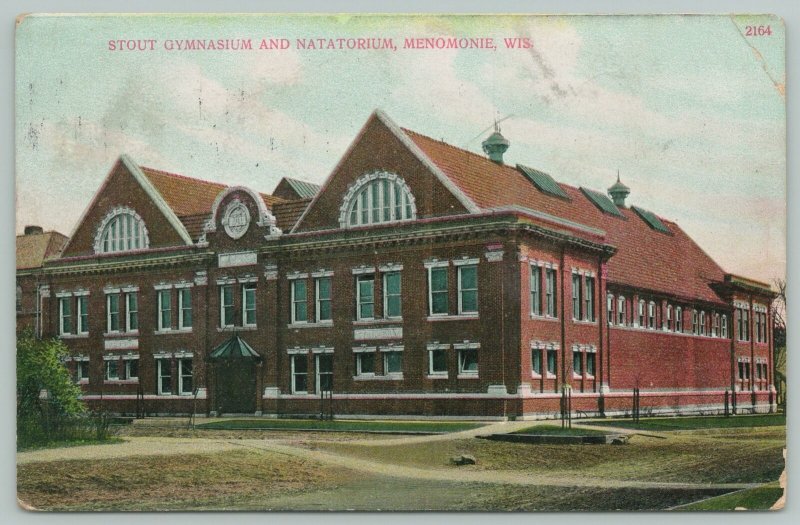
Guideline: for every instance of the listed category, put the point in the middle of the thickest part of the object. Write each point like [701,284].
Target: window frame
[536,362]
[319,300]
[183,308]
[131,311]
[551,373]
[226,320]
[462,290]
[679,319]
[319,373]
[164,314]
[438,373]
[360,302]
[610,314]
[182,376]
[111,363]
[551,298]
[463,353]
[247,307]
[621,317]
[387,295]
[445,291]
[576,296]
[127,368]
[295,374]
[82,314]
[112,314]
[377,198]
[160,375]
[360,364]
[651,315]
[386,368]
[296,302]
[577,358]
[535,279]
[589,285]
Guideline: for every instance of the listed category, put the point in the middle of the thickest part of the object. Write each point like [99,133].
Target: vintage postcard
[400,262]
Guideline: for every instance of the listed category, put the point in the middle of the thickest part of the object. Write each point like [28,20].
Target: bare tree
[778,308]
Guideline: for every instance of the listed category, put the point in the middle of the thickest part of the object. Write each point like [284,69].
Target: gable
[293,189]
[382,147]
[126,186]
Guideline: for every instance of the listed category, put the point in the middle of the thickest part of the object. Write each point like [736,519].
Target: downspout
[733,335]
[503,333]
[751,323]
[601,302]
[562,271]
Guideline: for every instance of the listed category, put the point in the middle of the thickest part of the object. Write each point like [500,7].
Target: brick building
[419,280]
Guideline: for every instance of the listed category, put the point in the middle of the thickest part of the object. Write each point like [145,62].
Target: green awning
[234,348]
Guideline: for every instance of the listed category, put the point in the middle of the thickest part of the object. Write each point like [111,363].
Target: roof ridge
[186,177]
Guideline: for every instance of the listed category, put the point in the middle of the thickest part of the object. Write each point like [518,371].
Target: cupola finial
[619,192]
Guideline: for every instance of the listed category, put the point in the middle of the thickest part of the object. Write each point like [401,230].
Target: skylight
[602,202]
[543,181]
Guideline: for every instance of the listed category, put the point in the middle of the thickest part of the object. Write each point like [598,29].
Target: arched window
[121,230]
[377,198]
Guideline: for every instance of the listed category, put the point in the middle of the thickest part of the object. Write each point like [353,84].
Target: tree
[779,338]
[39,367]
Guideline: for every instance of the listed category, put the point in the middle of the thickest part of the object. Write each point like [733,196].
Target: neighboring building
[34,247]
[419,280]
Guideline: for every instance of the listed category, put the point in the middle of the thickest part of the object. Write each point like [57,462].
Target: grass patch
[555,430]
[696,423]
[759,498]
[343,426]
[70,443]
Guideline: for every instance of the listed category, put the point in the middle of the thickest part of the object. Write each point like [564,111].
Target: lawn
[759,498]
[695,423]
[556,430]
[409,427]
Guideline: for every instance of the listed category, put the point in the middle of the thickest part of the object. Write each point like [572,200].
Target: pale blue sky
[687,108]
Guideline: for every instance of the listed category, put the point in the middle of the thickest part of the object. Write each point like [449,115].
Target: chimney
[619,192]
[33,230]
[495,146]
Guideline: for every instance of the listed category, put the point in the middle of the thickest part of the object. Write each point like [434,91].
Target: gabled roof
[646,259]
[301,188]
[33,249]
[234,348]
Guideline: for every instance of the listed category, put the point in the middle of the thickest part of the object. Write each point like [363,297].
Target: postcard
[400,262]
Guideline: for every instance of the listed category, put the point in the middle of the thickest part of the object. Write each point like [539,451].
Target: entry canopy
[234,348]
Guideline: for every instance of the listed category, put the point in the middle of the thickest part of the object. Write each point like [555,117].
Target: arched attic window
[120,231]
[376,198]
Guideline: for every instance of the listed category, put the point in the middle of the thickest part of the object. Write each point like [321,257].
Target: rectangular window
[746,324]
[249,305]
[83,314]
[392,303]
[651,316]
[227,309]
[679,320]
[741,370]
[551,362]
[437,362]
[577,363]
[299,304]
[621,311]
[576,296]
[669,318]
[695,325]
[164,376]
[437,286]
[365,363]
[589,299]
[536,361]
[164,310]
[393,362]
[324,372]
[747,370]
[724,326]
[131,369]
[82,370]
[185,308]
[112,306]
[468,361]
[641,314]
[185,385]
[610,309]
[112,370]
[324,299]
[131,312]
[467,289]
[590,363]
[550,291]
[536,290]
[365,292]
[299,374]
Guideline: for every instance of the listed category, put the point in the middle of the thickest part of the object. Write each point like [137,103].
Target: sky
[689,109]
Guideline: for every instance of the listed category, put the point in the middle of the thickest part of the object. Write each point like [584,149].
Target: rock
[463,459]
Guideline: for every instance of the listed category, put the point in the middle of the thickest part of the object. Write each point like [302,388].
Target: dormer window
[122,230]
[377,198]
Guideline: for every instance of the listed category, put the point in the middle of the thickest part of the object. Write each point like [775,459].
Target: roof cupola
[619,192]
[495,145]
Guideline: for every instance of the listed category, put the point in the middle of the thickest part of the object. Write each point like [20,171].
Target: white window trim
[461,290]
[106,361]
[180,375]
[466,373]
[385,278]
[160,294]
[621,317]
[431,373]
[222,305]
[244,305]
[651,315]
[180,308]
[292,359]
[160,362]
[363,183]
[385,351]
[108,314]
[317,373]
[292,310]
[79,328]
[358,355]
[126,362]
[358,297]
[128,296]
[318,277]
[429,269]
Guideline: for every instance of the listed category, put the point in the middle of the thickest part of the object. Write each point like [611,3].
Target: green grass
[555,430]
[344,426]
[69,443]
[759,498]
[696,423]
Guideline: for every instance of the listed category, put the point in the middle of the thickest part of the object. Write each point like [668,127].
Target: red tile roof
[287,213]
[33,249]
[670,264]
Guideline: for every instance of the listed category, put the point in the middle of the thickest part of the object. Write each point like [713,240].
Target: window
[124,230]
[468,361]
[249,305]
[83,314]
[185,377]
[536,361]
[589,299]
[82,370]
[576,296]
[621,311]
[702,323]
[185,308]
[468,289]
[610,309]
[695,328]
[437,362]
[551,362]
[742,320]
[590,363]
[299,374]
[131,312]
[724,326]
[131,369]
[112,370]
[715,326]
[679,319]
[323,299]
[550,291]
[577,363]
[651,315]
[365,296]
[164,310]
[536,290]
[324,372]
[299,304]
[378,198]
[437,285]
[19,299]
[641,314]
[740,376]
[365,363]
[669,318]
[227,310]
[164,376]
[393,362]
[112,312]
[392,303]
